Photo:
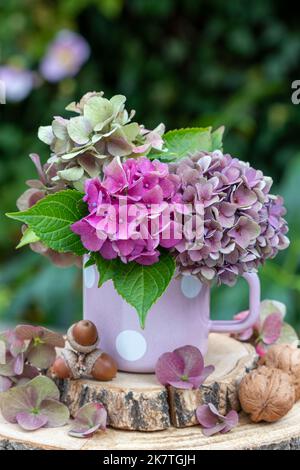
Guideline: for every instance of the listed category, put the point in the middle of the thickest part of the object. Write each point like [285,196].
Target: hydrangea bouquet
[146,205]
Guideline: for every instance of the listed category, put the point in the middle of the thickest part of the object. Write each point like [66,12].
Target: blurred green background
[185,63]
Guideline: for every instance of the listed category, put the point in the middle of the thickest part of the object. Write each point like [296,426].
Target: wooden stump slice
[282,435]
[133,401]
[138,402]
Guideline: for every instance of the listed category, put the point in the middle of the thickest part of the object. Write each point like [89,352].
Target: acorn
[61,369]
[83,336]
[104,368]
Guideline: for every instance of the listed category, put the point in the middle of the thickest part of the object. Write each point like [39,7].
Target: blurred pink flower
[65,56]
[18,82]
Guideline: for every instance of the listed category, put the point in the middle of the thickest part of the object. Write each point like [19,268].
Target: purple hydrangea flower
[182,368]
[243,222]
[18,82]
[65,56]
[213,422]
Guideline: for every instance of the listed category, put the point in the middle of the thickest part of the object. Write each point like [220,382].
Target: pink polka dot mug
[181,316]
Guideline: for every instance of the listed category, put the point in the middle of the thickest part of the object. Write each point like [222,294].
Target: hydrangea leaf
[51,218]
[217,138]
[28,237]
[181,142]
[141,285]
[106,268]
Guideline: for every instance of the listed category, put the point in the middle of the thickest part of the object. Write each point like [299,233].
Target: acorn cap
[71,359]
[90,360]
[79,347]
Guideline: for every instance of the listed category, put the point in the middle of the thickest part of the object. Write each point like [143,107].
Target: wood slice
[139,402]
[282,435]
[133,401]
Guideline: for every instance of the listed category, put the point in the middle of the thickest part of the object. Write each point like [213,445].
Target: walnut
[266,394]
[286,358]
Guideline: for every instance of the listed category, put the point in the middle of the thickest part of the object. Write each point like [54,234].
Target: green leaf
[28,237]
[107,268]
[181,142]
[51,218]
[217,138]
[141,286]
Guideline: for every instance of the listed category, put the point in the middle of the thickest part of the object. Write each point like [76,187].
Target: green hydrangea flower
[103,129]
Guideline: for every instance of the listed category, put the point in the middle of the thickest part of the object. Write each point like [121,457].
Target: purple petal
[200,379]
[56,412]
[271,328]
[30,421]
[88,420]
[169,368]
[206,416]
[19,364]
[41,356]
[27,332]
[5,384]
[214,429]
[231,420]
[192,359]
[182,384]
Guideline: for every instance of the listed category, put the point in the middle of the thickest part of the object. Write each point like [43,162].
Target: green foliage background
[192,62]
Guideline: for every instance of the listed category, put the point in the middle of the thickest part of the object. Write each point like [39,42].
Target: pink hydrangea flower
[126,209]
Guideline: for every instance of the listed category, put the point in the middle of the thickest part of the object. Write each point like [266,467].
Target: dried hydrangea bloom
[34,405]
[243,222]
[103,129]
[41,351]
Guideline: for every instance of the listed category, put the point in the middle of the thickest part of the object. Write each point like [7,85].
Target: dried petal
[88,420]
[271,328]
[31,421]
[183,368]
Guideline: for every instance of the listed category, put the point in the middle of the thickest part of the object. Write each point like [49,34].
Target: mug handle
[235,326]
